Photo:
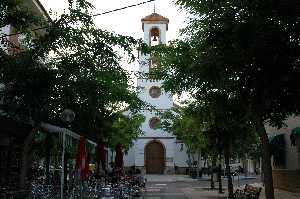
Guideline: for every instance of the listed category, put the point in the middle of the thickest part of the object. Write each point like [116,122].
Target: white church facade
[156,151]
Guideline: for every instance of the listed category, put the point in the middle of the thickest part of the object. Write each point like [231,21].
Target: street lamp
[2,96]
[2,93]
[67,116]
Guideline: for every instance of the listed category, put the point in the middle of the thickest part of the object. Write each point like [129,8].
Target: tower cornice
[154,18]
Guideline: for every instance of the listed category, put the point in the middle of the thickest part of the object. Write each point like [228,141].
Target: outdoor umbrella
[82,166]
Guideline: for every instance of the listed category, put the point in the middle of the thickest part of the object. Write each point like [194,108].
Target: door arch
[155,157]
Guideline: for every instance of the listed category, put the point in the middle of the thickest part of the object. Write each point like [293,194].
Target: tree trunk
[47,156]
[66,169]
[266,164]
[8,163]
[229,179]
[245,165]
[212,183]
[189,162]
[198,165]
[25,159]
[220,175]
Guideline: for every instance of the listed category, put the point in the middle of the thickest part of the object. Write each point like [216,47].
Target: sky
[128,21]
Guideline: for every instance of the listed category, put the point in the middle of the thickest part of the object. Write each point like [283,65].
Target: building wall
[149,132]
[140,150]
[129,157]
[180,155]
[173,153]
[164,101]
[292,153]
[287,180]
[163,38]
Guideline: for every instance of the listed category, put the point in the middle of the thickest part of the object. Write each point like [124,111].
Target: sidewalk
[184,187]
[169,178]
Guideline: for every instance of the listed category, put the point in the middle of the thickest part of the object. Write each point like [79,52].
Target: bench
[249,192]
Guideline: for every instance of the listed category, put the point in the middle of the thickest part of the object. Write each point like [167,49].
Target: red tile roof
[155,17]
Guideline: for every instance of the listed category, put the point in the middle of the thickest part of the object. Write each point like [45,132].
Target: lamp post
[2,95]
[220,145]
[67,117]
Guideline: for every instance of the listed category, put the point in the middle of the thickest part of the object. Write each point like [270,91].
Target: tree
[248,49]
[221,126]
[72,65]
[186,128]
[124,130]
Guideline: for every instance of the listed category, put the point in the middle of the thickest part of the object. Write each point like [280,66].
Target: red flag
[81,160]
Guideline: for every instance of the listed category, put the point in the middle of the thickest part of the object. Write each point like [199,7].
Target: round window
[155,92]
[154,123]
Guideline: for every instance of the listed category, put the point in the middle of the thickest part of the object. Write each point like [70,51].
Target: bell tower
[155,27]
[156,151]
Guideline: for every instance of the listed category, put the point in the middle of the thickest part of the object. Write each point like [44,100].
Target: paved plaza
[184,187]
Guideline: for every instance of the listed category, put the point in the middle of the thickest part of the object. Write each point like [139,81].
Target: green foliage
[14,13]
[248,49]
[210,125]
[124,130]
[73,65]
[186,128]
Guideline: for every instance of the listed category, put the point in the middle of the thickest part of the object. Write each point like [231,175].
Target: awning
[276,138]
[277,146]
[295,133]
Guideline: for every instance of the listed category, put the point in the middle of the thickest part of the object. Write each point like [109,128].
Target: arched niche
[155,36]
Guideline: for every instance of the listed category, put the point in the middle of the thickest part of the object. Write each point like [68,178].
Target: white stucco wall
[139,151]
[164,101]
[129,157]
[180,155]
[149,132]
[162,28]
[173,154]
[4,31]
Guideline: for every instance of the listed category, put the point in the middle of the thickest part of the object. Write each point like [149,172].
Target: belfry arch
[154,36]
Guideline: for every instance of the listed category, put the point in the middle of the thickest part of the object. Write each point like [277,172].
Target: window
[155,92]
[154,123]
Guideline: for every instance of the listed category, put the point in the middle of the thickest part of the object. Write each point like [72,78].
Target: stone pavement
[184,187]
[178,187]
[169,178]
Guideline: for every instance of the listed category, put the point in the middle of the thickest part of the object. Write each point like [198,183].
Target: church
[156,151]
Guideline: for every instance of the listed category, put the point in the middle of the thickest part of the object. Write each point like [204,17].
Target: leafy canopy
[72,64]
[248,49]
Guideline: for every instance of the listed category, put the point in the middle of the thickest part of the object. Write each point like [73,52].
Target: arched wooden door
[155,158]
